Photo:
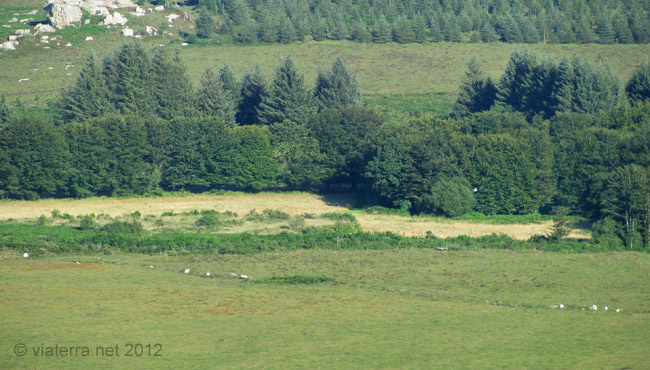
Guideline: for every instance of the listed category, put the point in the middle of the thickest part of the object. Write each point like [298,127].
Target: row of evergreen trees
[546,89]
[134,81]
[406,21]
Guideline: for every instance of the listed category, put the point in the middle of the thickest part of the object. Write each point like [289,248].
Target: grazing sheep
[187,271]
[26,255]
[243,276]
[207,274]
[594,307]
[560,305]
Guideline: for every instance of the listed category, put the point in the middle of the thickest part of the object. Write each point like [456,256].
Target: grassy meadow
[180,212]
[385,309]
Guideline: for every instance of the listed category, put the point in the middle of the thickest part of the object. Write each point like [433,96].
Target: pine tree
[488,34]
[288,97]
[638,88]
[247,33]
[213,100]
[204,24]
[512,89]
[5,110]
[640,27]
[434,29]
[337,88]
[87,97]
[420,29]
[604,30]
[403,32]
[253,91]
[229,82]
[477,93]
[382,32]
[171,85]
[594,88]
[622,29]
[286,31]
[128,79]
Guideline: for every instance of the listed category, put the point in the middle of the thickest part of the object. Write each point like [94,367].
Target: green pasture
[387,309]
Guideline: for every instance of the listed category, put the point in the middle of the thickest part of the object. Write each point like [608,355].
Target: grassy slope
[396,309]
[399,79]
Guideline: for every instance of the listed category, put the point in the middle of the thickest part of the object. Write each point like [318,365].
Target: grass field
[294,204]
[388,309]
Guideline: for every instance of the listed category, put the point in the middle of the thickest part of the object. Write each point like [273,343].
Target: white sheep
[243,276]
[187,271]
[207,274]
[594,307]
[560,305]
[26,255]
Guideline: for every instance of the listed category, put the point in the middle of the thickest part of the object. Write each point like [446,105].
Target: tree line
[408,21]
[253,134]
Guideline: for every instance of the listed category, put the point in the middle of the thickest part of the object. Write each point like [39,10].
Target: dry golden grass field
[292,203]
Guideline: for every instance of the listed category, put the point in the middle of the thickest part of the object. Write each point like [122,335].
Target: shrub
[451,198]
[123,227]
[209,220]
[276,214]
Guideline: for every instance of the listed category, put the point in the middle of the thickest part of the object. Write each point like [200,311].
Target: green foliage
[477,93]
[213,100]
[288,97]
[347,140]
[253,164]
[34,159]
[638,87]
[87,97]
[204,24]
[171,86]
[88,223]
[560,227]
[253,91]
[448,197]
[209,221]
[275,214]
[300,161]
[298,279]
[337,87]
[123,228]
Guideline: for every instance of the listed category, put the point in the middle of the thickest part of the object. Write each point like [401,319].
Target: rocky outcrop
[43,28]
[64,13]
[115,18]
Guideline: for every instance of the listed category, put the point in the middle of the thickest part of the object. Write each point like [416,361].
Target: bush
[276,214]
[88,223]
[123,227]
[209,220]
[452,198]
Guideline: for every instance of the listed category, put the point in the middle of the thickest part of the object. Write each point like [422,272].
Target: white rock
[139,10]
[45,37]
[68,44]
[6,26]
[243,276]
[43,28]
[13,20]
[13,38]
[78,263]
[22,33]
[127,32]
[50,68]
[9,46]
[233,274]
[560,305]
[151,266]
[152,31]
[26,255]
[68,66]
[47,47]
[26,20]
[33,12]
[53,39]
[87,21]
[63,13]
[89,38]
[68,74]
[184,44]
[115,18]
[172,17]
[159,8]
[45,41]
